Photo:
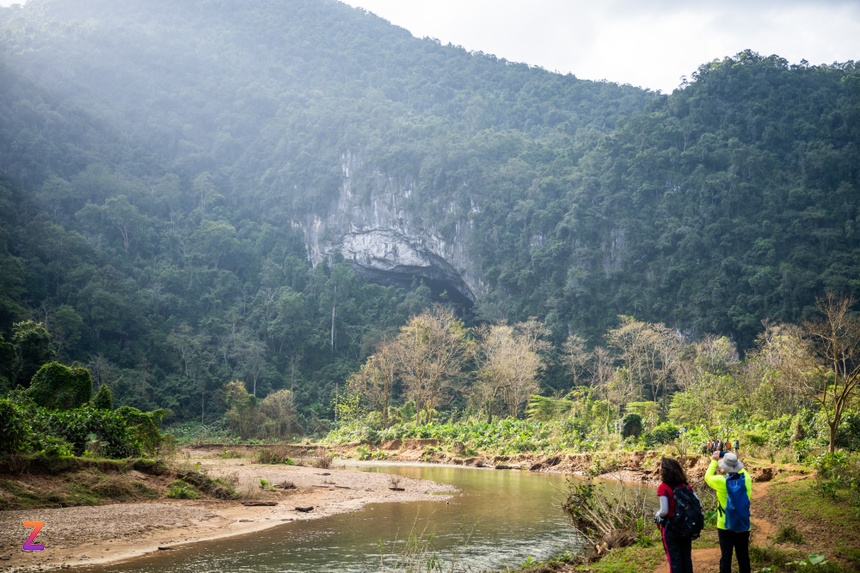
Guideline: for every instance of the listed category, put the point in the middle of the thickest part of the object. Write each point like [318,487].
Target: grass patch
[821,525]
[275,455]
[632,559]
[218,488]
[180,489]
[788,534]
[86,487]
[94,487]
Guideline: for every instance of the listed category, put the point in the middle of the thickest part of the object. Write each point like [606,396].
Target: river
[497,519]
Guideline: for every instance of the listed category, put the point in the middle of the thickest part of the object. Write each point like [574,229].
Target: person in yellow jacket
[733,530]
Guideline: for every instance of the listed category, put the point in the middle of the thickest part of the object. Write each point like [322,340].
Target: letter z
[29,545]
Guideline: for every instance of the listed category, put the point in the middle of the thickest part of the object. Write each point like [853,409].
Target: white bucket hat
[729,463]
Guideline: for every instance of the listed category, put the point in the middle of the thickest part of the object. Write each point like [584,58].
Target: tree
[244,413]
[279,411]
[374,381]
[631,425]
[835,343]
[33,349]
[509,363]
[577,357]
[777,369]
[638,353]
[430,351]
[195,359]
[669,349]
[103,400]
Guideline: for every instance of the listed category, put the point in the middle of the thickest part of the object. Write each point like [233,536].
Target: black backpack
[688,520]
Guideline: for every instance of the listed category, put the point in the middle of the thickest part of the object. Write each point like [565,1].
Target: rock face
[370,225]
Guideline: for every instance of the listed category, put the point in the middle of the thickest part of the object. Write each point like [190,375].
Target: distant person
[737,446]
[734,491]
[678,548]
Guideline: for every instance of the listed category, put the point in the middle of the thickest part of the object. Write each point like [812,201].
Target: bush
[109,427]
[52,447]
[143,426]
[788,534]
[14,430]
[607,517]
[59,387]
[631,425]
[103,399]
[274,455]
[661,434]
[848,436]
[182,490]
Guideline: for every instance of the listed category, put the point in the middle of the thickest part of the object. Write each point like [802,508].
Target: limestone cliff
[372,227]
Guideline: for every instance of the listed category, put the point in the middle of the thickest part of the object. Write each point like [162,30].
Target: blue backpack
[737,504]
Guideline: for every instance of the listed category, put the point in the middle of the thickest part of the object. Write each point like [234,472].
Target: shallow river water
[497,519]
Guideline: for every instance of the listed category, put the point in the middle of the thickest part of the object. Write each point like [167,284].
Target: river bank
[88,535]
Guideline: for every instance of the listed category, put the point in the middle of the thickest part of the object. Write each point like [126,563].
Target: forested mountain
[192,190]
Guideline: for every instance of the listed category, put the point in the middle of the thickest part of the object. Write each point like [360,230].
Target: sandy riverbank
[108,533]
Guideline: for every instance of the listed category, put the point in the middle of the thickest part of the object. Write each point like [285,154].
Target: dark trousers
[740,543]
[678,552]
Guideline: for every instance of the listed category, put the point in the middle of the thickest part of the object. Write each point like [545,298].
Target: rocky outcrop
[371,225]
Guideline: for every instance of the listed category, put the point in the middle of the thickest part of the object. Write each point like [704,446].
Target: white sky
[646,43]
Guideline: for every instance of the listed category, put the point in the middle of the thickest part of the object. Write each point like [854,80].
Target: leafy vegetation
[157,198]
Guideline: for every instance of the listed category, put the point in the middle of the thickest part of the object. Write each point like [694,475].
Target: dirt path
[709,559]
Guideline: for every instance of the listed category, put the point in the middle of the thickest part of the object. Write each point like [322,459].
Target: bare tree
[374,381]
[510,363]
[602,369]
[633,340]
[669,349]
[577,357]
[776,371]
[835,343]
[430,351]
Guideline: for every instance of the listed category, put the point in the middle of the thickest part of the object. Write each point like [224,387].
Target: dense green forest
[160,163]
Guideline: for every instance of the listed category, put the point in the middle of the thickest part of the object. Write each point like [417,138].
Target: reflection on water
[497,519]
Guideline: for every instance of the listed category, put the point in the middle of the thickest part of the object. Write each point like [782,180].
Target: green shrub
[182,490]
[76,426]
[14,429]
[52,447]
[788,534]
[143,426]
[274,455]
[60,387]
[661,434]
[848,435]
[103,400]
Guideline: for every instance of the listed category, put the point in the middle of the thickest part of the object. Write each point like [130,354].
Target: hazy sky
[647,43]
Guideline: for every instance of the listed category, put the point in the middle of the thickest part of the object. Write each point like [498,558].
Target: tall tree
[375,380]
[430,351]
[510,362]
[835,340]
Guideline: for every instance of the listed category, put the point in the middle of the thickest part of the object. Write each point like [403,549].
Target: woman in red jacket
[679,550]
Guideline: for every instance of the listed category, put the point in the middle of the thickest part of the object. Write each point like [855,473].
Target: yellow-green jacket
[717,482]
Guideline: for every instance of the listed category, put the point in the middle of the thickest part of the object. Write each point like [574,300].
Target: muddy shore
[89,535]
